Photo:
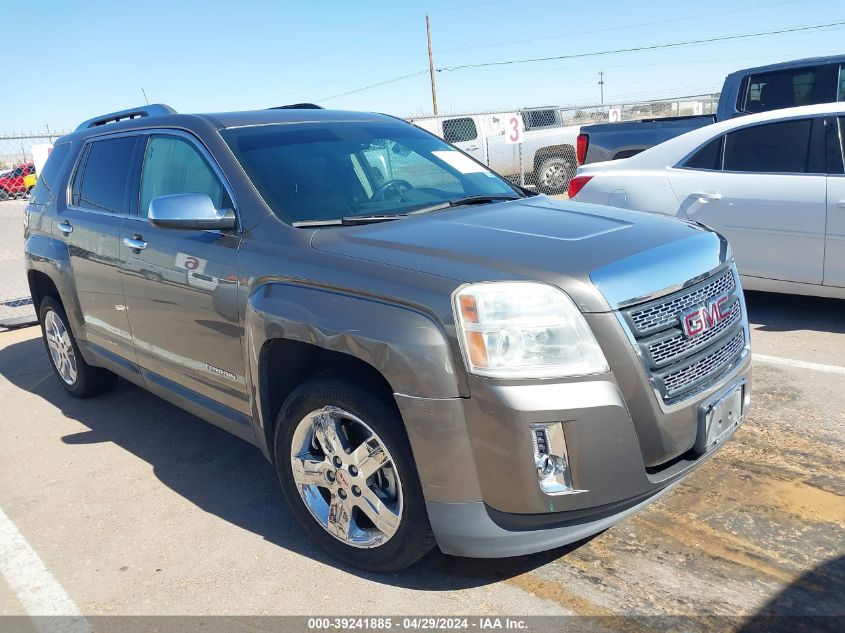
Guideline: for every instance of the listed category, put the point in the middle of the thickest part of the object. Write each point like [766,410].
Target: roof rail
[156,109]
[298,106]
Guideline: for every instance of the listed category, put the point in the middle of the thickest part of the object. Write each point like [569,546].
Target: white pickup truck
[544,158]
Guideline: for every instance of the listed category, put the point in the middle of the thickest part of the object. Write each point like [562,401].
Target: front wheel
[80,379]
[346,471]
[554,173]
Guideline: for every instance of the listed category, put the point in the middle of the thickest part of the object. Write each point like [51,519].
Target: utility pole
[601,85]
[431,65]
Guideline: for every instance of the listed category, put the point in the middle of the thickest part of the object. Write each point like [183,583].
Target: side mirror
[189,211]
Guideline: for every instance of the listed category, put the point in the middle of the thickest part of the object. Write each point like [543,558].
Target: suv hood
[601,256]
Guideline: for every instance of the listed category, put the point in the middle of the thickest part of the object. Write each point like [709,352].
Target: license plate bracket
[718,418]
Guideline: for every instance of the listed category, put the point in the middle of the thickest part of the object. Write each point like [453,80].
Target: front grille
[666,348]
[661,314]
[680,365]
[696,372]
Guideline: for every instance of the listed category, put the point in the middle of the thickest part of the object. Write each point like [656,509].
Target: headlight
[524,330]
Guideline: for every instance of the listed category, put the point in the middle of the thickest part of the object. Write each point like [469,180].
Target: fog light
[550,458]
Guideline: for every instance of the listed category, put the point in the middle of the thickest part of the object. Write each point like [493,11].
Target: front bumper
[474,530]
[475,461]
[468,529]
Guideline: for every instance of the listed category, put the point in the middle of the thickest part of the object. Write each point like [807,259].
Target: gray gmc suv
[426,353]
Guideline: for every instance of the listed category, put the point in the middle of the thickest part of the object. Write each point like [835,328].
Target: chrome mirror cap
[189,211]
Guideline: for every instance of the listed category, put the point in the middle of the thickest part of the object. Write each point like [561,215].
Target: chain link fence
[535,147]
[19,155]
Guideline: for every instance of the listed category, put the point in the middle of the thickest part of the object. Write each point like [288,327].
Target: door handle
[707,196]
[135,243]
[471,148]
[66,227]
[841,204]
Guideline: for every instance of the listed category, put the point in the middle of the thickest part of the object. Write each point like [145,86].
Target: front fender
[406,346]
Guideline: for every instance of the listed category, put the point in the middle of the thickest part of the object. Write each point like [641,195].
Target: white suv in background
[772,183]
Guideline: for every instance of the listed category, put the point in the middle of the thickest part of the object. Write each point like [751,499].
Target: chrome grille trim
[693,374]
[678,366]
[664,312]
[666,348]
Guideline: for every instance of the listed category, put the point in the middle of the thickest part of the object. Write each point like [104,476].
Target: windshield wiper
[350,220]
[448,204]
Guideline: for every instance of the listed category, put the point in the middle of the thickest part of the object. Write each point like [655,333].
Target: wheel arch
[554,151]
[294,332]
[40,286]
[284,364]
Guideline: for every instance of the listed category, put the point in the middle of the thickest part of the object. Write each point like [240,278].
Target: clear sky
[69,60]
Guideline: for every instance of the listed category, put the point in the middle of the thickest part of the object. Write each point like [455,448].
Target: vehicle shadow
[784,313]
[813,602]
[222,474]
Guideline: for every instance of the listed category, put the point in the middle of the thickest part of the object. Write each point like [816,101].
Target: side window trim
[76,178]
[203,151]
[72,201]
[835,145]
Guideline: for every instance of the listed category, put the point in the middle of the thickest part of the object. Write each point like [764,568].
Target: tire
[554,173]
[385,540]
[79,379]
[4,195]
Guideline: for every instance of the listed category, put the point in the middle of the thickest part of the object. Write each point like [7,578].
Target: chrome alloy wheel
[61,349]
[346,477]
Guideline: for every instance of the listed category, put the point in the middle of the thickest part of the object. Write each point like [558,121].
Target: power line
[650,47]
[623,27]
[593,54]
[375,85]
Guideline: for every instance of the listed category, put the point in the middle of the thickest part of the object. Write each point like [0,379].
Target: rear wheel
[79,379]
[347,472]
[554,173]
[4,195]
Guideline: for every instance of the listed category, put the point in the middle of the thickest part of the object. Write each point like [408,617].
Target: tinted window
[18,172]
[539,118]
[47,180]
[103,185]
[708,157]
[173,165]
[782,89]
[773,147]
[457,130]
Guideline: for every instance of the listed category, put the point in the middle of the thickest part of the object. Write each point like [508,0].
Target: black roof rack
[155,109]
[298,106]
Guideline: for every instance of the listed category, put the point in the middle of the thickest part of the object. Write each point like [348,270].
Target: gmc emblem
[704,318]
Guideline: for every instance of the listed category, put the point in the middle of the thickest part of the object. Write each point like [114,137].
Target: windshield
[327,171]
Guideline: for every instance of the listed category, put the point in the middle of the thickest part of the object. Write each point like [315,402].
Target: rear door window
[707,157]
[173,165]
[784,89]
[782,147]
[101,184]
[459,130]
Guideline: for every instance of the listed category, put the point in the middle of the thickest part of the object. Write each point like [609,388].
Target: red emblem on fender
[704,318]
